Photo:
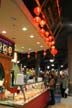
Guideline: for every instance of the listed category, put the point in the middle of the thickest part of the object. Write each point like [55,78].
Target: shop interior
[33,41]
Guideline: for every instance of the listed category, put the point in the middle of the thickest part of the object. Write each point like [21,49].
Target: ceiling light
[38,43]
[52,64]
[61,66]
[30,49]
[51,60]
[31,36]
[4,32]
[41,46]
[25,66]
[48,67]
[22,47]
[24,29]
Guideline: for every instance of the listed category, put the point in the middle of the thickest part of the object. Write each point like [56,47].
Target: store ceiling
[12,20]
[14,15]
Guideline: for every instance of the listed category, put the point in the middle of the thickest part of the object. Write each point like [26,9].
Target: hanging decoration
[46,33]
[44,53]
[37,10]
[53,43]
[37,19]
[54,51]
[49,44]
[42,31]
[51,38]
[42,23]
[47,39]
[28,55]
[45,30]
[52,47]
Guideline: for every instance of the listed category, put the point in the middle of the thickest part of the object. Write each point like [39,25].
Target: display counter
[37,96]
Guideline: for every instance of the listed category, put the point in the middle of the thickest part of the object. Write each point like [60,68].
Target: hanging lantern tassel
[28,55]
[54,51]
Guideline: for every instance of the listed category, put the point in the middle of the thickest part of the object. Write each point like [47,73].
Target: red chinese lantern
[42,31]
[44,53]
[49,44]
[47,33]
[28,55]
[53,42]
[37,19]
[47,39]
[37,10]
[42,23]
[54,51]
[51,38]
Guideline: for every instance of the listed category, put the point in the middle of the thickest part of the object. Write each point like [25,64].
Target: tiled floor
[65,103]
[61,106]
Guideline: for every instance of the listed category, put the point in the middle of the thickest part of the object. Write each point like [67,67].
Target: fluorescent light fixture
[4,32]
[24,29]
[31,36]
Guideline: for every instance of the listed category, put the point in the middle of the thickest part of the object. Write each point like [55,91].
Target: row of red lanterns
[49,40]
[53,51]
[37,19]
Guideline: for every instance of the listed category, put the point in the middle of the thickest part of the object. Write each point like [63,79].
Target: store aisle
[65,103]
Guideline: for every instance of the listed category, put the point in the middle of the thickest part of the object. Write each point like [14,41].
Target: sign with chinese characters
[6,46]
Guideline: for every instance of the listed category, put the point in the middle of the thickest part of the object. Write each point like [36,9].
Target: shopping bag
[67,90]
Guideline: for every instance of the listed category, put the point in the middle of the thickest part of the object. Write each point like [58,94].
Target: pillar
[37,65]
[70,62]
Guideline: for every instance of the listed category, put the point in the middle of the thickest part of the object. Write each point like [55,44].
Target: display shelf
[32,92]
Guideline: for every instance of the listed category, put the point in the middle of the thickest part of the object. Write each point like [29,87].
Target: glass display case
[15,96]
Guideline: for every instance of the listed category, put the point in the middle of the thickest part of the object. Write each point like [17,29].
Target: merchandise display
[31,91]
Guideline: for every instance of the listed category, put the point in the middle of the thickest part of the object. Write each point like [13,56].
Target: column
[70,62]
[37,65]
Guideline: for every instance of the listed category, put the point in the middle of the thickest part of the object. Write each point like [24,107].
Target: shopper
[52,90]
[64,85]
[46,80]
